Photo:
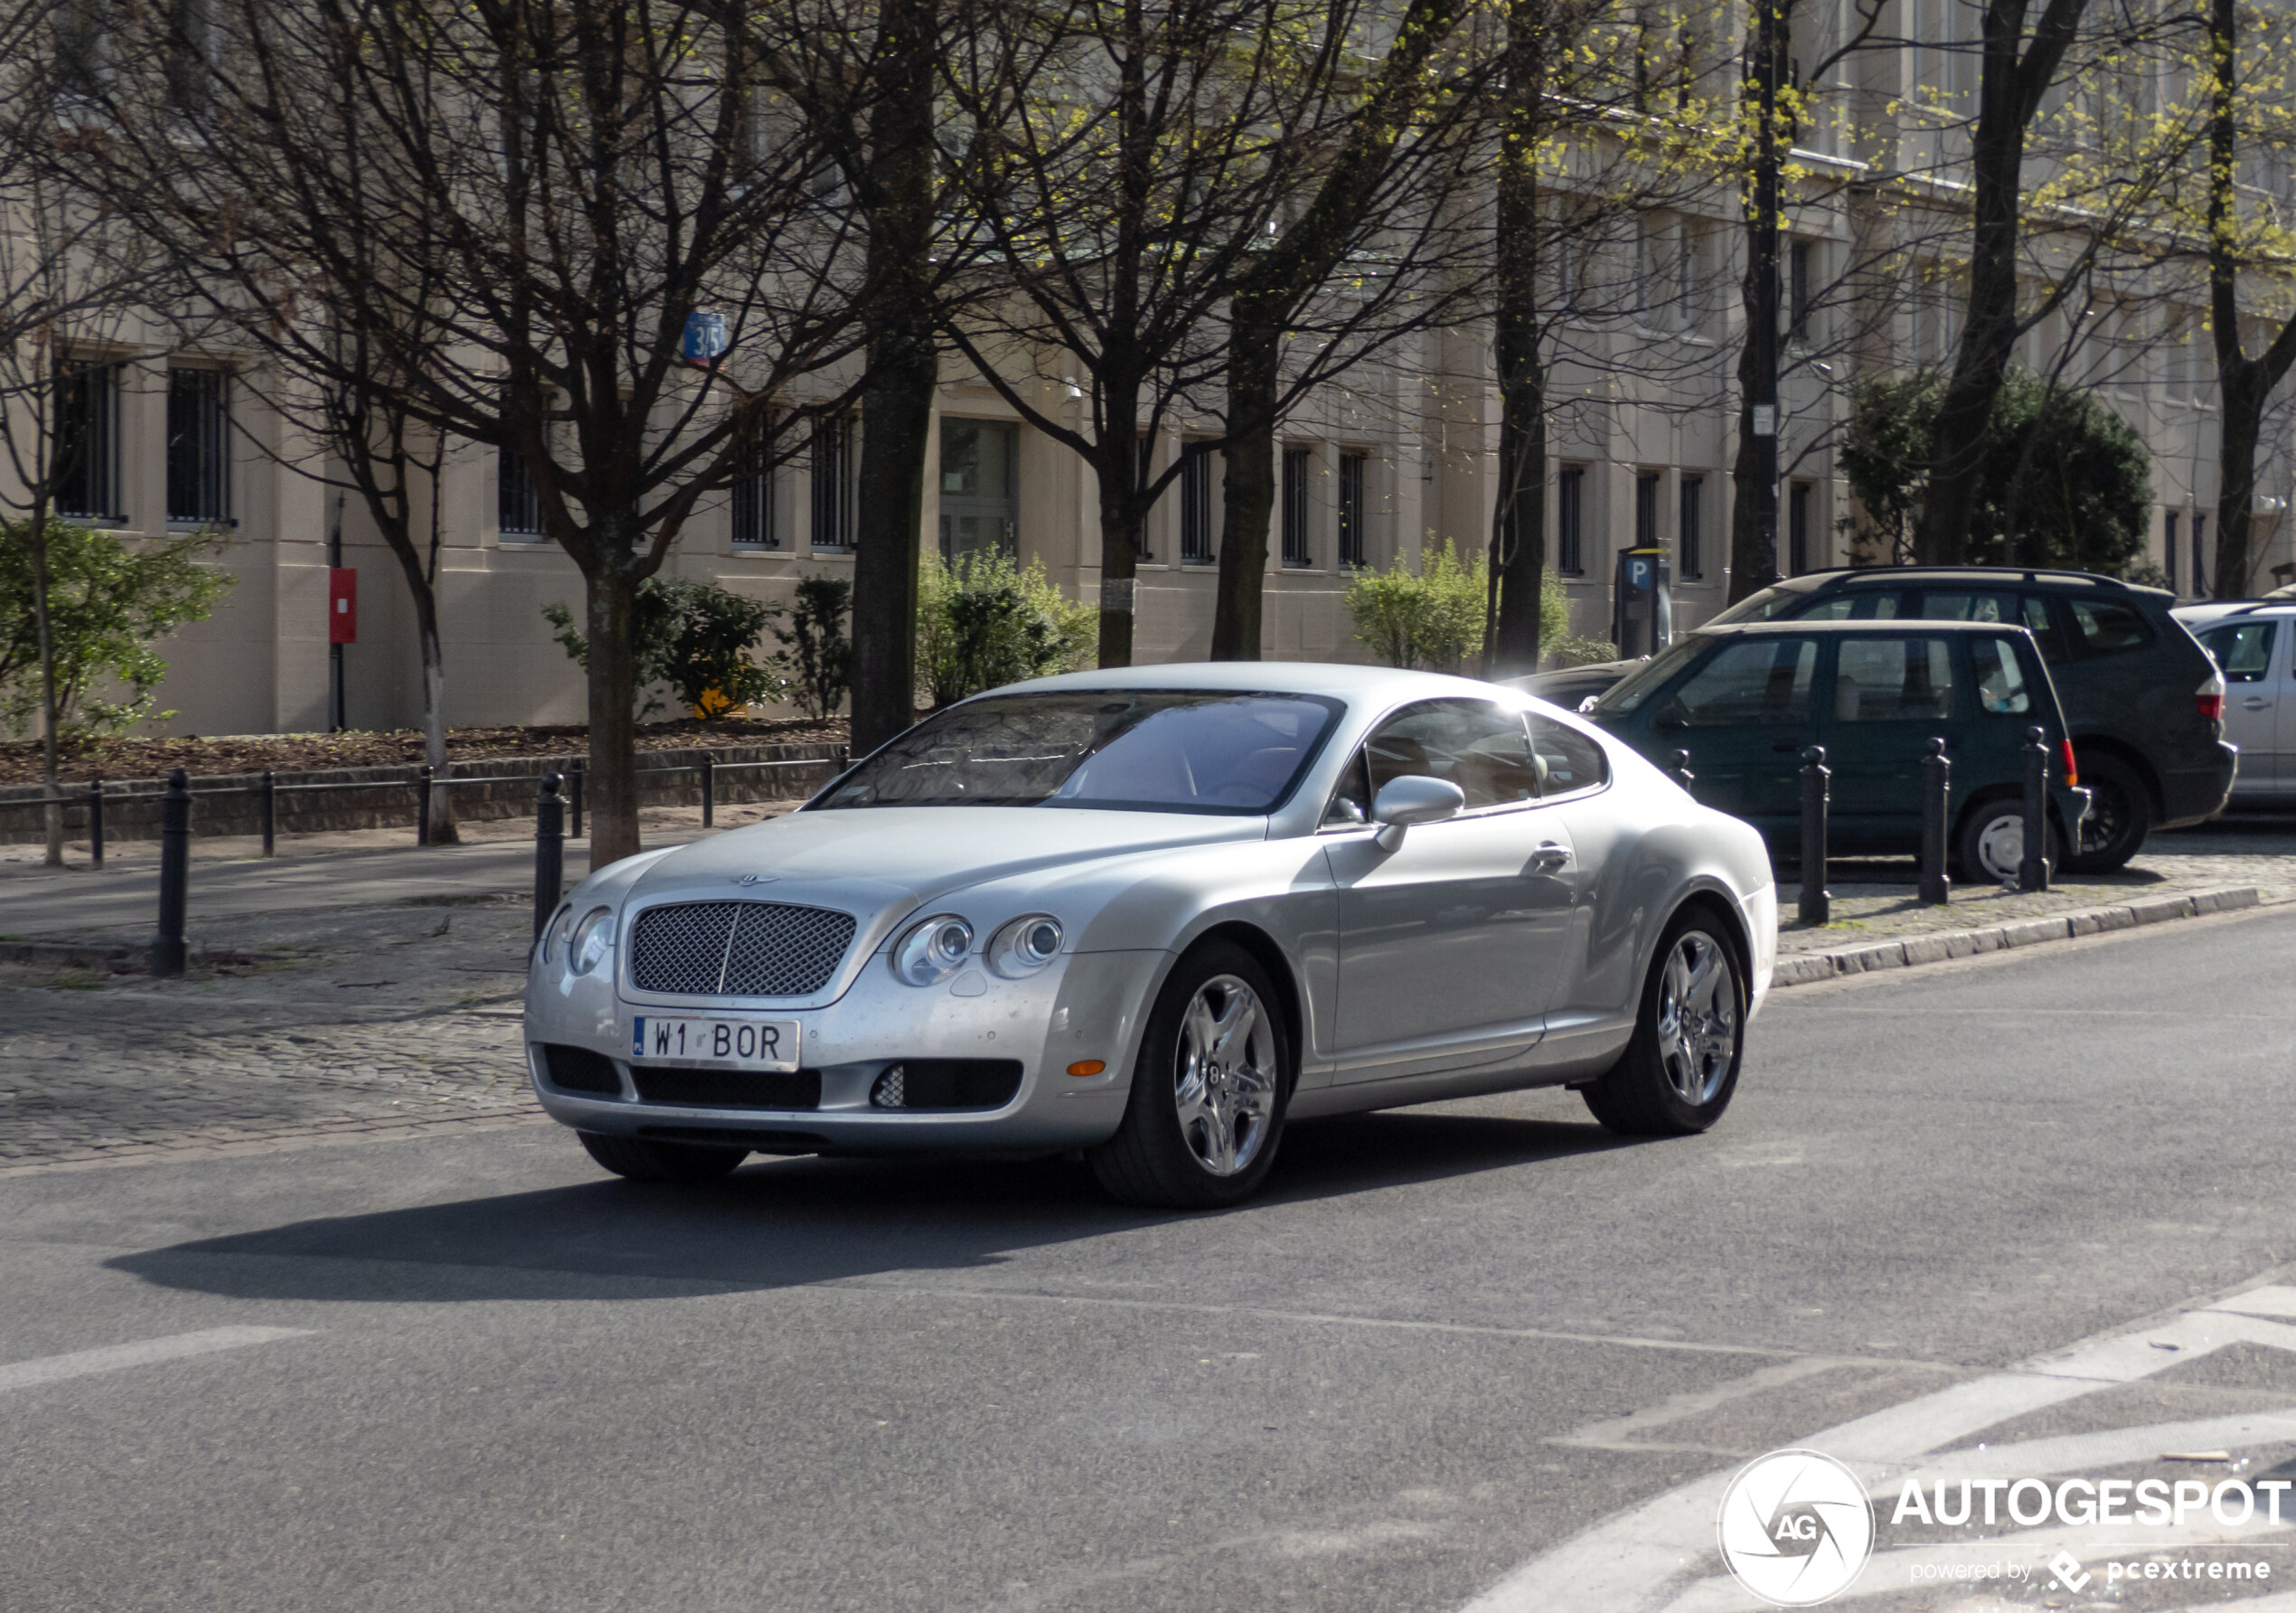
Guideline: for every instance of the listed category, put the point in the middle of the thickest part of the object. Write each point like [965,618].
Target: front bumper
[1085,1006]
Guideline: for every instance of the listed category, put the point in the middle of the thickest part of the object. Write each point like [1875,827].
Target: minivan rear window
[2109,629]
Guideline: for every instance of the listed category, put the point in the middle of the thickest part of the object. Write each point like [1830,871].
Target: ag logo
[1795,1528]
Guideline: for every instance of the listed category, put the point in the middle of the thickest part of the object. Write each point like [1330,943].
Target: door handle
[1549,857]
[2253,704]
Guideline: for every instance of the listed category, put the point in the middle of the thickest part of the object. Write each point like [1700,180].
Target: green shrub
[108,605]
[694,637]
[1431,621]
[984,620]
[816,659]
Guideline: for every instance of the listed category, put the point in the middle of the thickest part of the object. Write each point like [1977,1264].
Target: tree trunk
[1119,562]
[434,718]
[1519,523]
[1248,492]
[610,782]
[1750,557]
[897,402]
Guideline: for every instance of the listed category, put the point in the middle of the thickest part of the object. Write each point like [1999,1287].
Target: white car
[1152,914]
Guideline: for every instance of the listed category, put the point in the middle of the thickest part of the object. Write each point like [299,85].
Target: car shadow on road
[787,1223]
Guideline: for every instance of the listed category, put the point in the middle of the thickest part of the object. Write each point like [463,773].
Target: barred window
[518,507]
[1692,543]
[1570,508]
[88,443]
[1351,468]
[753,512]
[1297,462]
[834,469]
[1196,509]
[199,445]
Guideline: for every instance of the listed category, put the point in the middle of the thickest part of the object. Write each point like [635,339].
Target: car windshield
[1223,751]
[1637,686]
[1771,603]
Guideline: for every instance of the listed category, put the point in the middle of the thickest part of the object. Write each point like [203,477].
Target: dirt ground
[287,752]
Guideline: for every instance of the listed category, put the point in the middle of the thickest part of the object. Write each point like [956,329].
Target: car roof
[2243,608]
[1885,575]
[1344,681]
[1890,627]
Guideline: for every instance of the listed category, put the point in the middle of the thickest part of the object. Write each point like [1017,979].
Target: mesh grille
[738,949]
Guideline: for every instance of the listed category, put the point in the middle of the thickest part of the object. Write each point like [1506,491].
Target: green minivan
[1746,698]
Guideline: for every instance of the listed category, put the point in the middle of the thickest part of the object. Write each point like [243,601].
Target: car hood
[882,864]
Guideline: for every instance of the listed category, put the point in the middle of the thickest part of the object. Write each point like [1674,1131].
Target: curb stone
[1805,968]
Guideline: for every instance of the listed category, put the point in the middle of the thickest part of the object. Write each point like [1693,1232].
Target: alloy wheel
[1224,1081]
[1698,1017]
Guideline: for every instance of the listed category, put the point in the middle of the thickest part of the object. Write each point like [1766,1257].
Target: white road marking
[1661,1555]
[112,1358]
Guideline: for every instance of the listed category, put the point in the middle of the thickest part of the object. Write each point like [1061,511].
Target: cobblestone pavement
[349,1021]
[1875,899]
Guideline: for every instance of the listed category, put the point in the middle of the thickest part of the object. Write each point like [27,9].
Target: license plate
[724,1043]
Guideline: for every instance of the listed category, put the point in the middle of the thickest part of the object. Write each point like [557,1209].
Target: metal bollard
[2033,869]
[168,948]
[708,790]
[574,799]
[269,795]
[96,822]
[1936,789]
[422,805]
[1677,767]
[549,851]
[1817,902]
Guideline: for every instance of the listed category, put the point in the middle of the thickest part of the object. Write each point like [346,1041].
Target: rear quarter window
[1569,760]
[2106,629]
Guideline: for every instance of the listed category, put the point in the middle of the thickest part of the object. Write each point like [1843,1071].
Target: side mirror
[1415,799]
[1672,715]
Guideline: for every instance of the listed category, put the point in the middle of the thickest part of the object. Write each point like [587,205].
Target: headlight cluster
[931,951]
[592,939]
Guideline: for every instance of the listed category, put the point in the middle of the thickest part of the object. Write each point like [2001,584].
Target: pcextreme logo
[1795,1528]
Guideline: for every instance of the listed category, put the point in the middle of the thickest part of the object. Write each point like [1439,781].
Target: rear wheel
[643,1161]
[2120,816]
[1678,1072]
[1993,842]
[1207,1105]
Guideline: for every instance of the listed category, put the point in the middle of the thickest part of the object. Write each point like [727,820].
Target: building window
[833,475]
[1351,508]
[2200,555]
[518,507]
[753,526]
[86,470]
[1195,509]
[2169,548]
[1692,536]
[1798,529]
[1296,462]
[1646,489]
[199,459]
[1799,289]
[1570,513]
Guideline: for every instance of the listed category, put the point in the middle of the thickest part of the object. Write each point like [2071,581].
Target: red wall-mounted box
[342,605]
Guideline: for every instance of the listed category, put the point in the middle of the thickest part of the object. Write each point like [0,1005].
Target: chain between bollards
[1677,767]
[168,948]
[1936,790]
[2033,868]
[1817,902]
[549,851]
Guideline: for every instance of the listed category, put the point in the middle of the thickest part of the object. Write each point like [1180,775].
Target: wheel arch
[1713,902]
[2121,751]
[1269,955]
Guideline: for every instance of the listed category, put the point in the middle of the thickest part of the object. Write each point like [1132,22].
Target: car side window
[2045,630]
[1858,605]
[1893,680]
[1477,745]
[2000,678]
[2244,649]
[1569,760]
[1351,802]
[1753,680]
[1967,605]
[2109,629]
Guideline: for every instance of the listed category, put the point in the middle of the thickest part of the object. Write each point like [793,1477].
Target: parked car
[1745,699]
[2142,697]
[1154,914]
[2254,644]
[1571,687]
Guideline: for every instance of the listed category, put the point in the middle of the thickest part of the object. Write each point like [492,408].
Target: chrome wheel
[1225,1076]
[1698,1017]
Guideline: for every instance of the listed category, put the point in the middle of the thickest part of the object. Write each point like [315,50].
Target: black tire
[1645,1093]
[2120,816]
[1986,828]
[643,1161]
[1159,1155]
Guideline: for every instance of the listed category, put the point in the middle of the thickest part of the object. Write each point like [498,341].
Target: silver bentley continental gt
[1152,914]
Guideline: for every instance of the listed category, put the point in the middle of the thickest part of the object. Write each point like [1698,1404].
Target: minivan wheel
[1991,849]
[1678,1074]
[2120,816]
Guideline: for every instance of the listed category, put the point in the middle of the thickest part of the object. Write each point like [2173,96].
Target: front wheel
[1678,1074]
[643,1161]
[1207,1105]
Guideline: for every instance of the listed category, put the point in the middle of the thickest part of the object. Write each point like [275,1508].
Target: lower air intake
[578,1069]
[947,1084]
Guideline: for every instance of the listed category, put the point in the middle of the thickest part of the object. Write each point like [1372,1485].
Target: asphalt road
[1446,1342]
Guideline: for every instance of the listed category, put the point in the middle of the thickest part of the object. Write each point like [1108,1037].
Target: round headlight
[554,933]
[593,939]
[1025,945]
[934,950]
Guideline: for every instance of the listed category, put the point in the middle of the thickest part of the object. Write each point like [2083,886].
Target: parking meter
[1643,603]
